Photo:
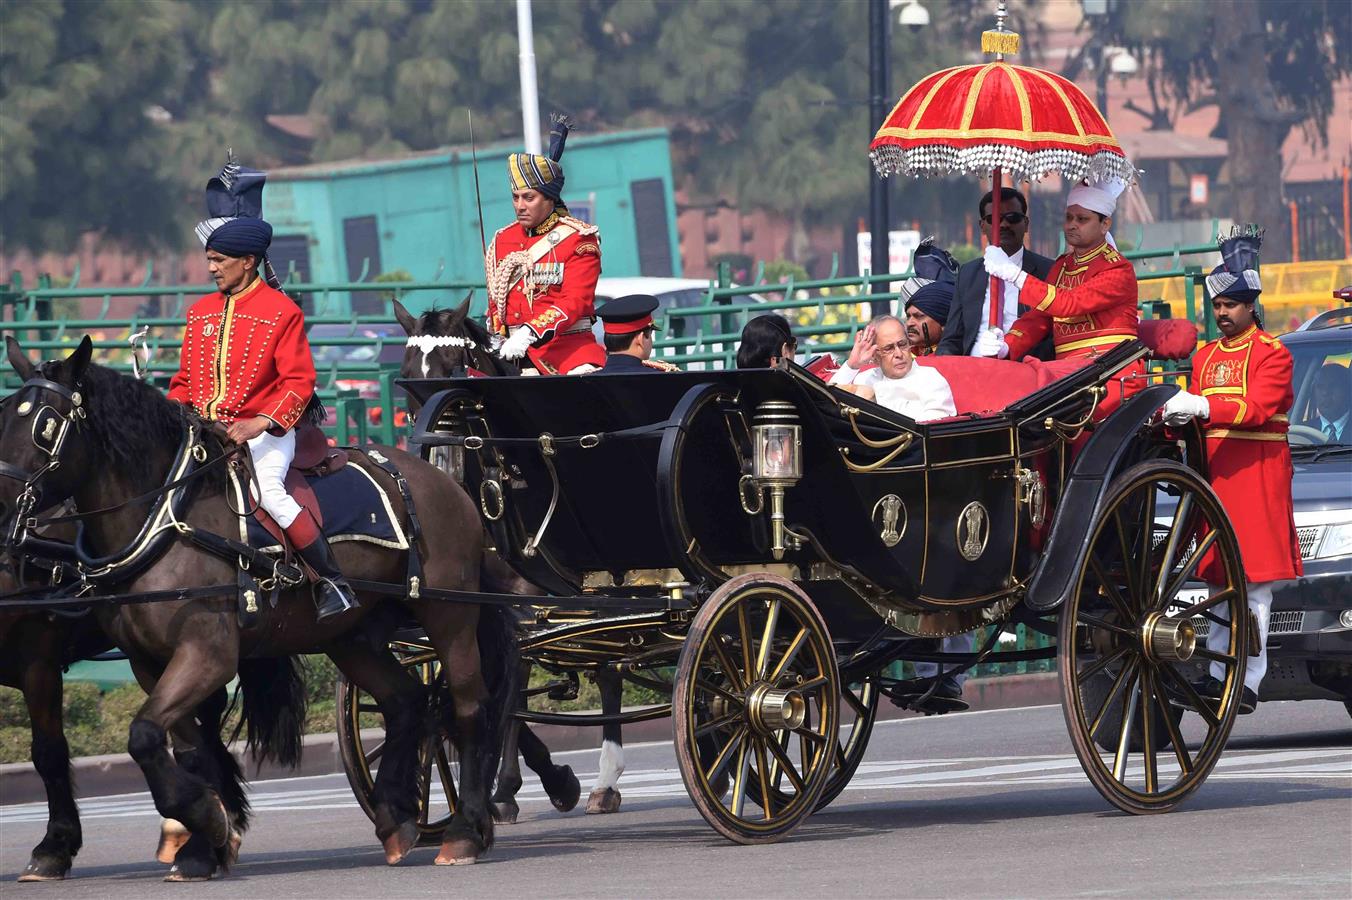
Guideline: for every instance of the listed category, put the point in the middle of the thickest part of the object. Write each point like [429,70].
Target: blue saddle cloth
[354,508]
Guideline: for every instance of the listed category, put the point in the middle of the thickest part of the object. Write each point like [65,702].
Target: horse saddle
[346,501]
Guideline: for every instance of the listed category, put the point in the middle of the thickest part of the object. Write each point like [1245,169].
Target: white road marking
[1316,764]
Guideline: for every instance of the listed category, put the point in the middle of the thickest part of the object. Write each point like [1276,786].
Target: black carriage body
[646,485]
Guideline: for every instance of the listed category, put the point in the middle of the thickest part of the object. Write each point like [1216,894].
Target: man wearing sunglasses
[970,312]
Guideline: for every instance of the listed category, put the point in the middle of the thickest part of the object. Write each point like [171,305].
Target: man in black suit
[971,310]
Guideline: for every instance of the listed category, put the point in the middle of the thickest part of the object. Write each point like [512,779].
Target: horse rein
[51,441]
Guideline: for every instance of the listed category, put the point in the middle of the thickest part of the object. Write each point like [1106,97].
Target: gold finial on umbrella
[1000,41]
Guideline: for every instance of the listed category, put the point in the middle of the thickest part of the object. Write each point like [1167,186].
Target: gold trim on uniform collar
[550,221]
[1097,251]
[253,286]
[1239,339]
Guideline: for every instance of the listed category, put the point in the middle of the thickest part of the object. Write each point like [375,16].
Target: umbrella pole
[997,291]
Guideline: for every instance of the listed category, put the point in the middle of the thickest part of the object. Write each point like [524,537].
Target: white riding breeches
[957,643]
[271,458]
[1218,638]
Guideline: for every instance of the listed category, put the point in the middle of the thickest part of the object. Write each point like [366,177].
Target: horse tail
[273,708]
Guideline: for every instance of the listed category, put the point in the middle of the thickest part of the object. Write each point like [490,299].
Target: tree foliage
[1269,65]
[112,114]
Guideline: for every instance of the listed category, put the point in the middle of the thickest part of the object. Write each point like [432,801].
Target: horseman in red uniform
[246,363]
[1088,301]
[542,271]
[1242,391]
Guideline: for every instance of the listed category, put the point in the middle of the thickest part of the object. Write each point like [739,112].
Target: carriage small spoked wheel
[1130,621]
[858,712]
[438,764]
[756,705]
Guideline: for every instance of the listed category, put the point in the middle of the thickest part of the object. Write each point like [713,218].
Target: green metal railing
[825,313]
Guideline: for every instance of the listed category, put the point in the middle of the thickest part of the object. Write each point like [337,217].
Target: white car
[678,293]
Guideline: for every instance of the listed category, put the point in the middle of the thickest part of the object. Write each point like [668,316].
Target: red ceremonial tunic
[545,279]
[245,355]
[1088,303]
[1246,381]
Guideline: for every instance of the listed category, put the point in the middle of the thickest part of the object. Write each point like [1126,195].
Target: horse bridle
[426,343]
[49,432]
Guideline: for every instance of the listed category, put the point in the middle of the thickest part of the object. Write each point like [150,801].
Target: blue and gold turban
[235,225]
[529,172]
[1237,275]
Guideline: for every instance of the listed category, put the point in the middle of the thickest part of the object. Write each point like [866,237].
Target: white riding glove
[991,342]
[516,346]
[1001,266]
[1183,406]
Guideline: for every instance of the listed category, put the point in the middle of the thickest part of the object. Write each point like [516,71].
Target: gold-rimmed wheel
[756,704]
[1130,656]
[361,742]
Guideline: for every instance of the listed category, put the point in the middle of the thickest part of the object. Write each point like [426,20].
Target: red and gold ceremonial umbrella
[1016,122]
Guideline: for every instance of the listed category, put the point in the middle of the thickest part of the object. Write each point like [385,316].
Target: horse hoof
[399,843]
[45,868]
[605,800]
[569,794]
[172,836]
[179,876]
[505,813]
[460,851]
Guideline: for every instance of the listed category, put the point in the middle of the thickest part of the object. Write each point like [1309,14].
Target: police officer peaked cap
[626,315]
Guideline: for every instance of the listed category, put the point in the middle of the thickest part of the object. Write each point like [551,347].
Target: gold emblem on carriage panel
[893,512]
[973,531]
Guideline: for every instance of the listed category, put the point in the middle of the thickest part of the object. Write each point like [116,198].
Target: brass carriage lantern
[778,462]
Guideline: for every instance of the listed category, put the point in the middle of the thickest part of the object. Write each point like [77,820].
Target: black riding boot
[334,593]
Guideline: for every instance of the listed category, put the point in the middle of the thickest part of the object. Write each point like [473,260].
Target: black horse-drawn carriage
[763,546]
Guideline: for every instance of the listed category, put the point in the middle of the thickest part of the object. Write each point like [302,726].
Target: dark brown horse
[443,343]
[102,439]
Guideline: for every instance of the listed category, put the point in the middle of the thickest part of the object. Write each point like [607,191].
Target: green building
[353,220]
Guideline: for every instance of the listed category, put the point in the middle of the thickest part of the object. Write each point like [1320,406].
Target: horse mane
[136,424]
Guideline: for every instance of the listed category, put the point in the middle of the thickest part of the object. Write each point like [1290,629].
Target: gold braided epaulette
[661,365]
[581,226]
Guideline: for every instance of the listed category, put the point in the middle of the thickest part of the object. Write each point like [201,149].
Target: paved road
[981,804]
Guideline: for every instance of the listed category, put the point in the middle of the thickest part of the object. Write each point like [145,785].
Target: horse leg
[402,701]
[40,681]
[452,629]
[191,677]
[559,781]
[199,750]
[505,808]
[605,797]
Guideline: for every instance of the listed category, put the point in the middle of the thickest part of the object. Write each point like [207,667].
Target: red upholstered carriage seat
[1168,338]
[986,386]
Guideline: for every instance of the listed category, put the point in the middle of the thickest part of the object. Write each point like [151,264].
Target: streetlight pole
[530,98]
[878,99]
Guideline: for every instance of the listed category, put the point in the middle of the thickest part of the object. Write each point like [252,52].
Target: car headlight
[1337,541]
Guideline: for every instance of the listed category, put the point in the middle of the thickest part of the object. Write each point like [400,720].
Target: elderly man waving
[917,392]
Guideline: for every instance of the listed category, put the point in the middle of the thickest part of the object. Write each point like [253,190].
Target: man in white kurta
[918,392]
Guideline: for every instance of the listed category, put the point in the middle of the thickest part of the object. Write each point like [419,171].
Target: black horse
[103,439]
[447,342]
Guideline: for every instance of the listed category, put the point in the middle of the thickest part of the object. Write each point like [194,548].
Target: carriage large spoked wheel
[1131,620]
[756,707]
[858,712]
[438,764]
